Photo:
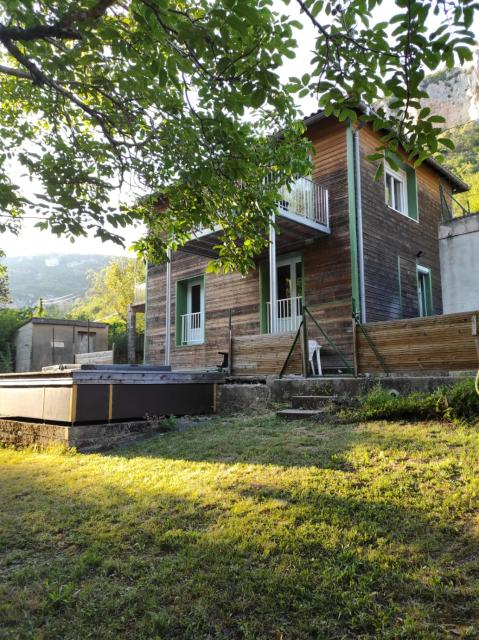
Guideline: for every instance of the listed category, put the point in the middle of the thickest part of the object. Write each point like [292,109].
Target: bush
[459,403]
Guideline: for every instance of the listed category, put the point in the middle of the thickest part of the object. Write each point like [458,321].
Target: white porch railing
[192,328]
[307,199]
[289,316]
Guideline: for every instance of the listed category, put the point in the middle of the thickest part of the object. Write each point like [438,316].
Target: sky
[33,241]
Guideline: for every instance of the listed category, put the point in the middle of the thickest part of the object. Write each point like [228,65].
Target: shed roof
[67,323]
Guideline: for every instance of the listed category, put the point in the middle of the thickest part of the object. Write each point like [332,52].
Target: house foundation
[238,397]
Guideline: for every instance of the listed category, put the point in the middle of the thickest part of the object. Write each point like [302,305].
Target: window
[190,321]
[400,189]
[395,183]
[424,291]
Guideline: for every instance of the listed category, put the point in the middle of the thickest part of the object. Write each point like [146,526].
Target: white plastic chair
[314,350]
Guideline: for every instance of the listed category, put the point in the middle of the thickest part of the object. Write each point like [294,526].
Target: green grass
[246,529]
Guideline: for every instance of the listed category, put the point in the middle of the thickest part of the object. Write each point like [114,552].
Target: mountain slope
[50,276]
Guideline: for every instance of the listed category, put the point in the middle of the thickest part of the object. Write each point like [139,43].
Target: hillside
[454,94]
[50,276]
[464,161]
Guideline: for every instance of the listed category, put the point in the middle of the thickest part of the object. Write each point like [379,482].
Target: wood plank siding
[434,344]
[394,243]
[327,280]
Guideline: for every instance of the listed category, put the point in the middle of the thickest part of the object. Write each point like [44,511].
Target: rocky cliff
[454,93]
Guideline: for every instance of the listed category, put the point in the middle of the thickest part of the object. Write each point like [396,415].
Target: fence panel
[265,354]
[433,344]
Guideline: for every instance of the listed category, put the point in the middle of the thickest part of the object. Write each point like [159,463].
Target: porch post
[168,309]
[273,296]
[131,335]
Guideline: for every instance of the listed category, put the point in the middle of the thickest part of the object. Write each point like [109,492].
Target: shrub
[459,403]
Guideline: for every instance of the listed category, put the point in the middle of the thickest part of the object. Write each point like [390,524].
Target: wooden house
[346,242]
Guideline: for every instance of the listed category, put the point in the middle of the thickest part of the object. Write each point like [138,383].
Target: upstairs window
[396,192]
[400,189]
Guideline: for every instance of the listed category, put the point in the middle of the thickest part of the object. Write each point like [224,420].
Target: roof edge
[460,185]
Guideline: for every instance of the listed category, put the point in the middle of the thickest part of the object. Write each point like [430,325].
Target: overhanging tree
[4,287]
[182,98]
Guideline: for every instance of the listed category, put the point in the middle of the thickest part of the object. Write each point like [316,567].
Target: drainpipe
[273,297]
[145,334]
[359,225]
[168,309]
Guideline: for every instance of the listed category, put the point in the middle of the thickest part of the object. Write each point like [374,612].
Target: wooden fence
[265,354]
[416,345]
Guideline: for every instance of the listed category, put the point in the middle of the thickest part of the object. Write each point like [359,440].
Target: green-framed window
[424,290]
[400,189]
[190,311]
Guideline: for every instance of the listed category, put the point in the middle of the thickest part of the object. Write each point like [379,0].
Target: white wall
[459,255]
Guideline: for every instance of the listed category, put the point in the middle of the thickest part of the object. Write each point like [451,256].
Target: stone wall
[83,437]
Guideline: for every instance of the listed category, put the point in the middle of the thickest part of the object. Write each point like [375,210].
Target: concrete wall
[459,254]
[23,348]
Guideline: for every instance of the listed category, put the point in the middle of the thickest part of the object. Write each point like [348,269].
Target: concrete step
[312,402]
[302,414]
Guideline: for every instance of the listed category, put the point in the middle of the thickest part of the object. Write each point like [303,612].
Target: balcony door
[289,285]
[193,324]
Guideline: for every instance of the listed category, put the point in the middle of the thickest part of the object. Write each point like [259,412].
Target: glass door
[194,329]
[289,294]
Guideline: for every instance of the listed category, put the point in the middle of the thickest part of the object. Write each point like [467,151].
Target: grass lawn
[246,529]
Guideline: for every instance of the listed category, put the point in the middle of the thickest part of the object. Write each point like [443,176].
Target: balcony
[305,201]
[139,298]
[303,214]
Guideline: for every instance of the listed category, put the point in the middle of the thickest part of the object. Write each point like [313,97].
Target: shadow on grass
[150,548]
[269,441]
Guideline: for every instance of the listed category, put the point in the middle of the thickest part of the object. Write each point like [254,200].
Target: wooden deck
[80,396]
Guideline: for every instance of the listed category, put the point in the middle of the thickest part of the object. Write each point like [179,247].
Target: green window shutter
[412,207]
[263,296]
[180,308]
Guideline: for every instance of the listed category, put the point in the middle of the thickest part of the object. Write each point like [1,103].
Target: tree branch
[38,32]
[16,73]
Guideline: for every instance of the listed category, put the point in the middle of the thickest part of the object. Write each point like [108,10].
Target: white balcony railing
[307,199]
[304,198]
[139,293]
[289,316]
[192,328]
